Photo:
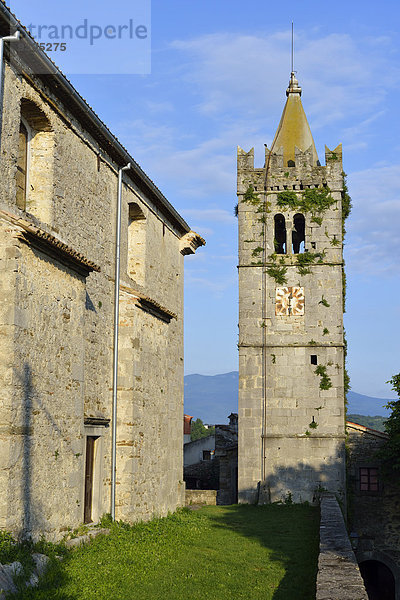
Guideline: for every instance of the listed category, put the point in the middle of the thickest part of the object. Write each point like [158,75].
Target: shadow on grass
[289,532]
[284,571]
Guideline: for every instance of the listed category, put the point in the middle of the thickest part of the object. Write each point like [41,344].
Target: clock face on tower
[289,301]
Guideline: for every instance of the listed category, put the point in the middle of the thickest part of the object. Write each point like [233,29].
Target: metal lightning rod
[292,48]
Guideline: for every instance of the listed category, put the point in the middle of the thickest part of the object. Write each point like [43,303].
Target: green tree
[199,431]
[390,452]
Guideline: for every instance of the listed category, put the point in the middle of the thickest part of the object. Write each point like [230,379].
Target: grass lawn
[218,552]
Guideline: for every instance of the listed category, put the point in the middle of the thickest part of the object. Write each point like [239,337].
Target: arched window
[136,244]
[34,177]
[280,234]
[22,164]
[298,233]
[291,163]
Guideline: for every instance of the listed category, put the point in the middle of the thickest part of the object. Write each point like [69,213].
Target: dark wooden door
[87,511]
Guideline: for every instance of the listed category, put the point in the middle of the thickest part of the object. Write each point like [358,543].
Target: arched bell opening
[298,234]
[280,234]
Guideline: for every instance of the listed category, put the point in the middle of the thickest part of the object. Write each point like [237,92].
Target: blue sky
[219,71]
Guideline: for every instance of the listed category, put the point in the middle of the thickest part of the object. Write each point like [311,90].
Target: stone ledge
[190,242]
[149,305]
[50,245]
[84,539]
[338,575]
[299,345]
[330,436]
[208,497]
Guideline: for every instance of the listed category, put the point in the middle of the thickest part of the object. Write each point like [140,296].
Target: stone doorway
[378,579]
[89,477]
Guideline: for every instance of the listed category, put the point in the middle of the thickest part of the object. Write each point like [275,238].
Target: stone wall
[208,497]
[47,395]
[57,322]
[226,452]
[338,574]
[203,475]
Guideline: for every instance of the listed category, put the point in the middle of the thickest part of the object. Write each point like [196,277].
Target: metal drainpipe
[8,38]
[116,332]
[264,330]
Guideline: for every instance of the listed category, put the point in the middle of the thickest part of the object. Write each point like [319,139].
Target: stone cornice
[149,305]
[49,244]
[190,242]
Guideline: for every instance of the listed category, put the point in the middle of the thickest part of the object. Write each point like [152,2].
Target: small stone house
[199,450]
[211,462]
[187,428]
[226,452]
[374,512]
[58,196]
[201,470]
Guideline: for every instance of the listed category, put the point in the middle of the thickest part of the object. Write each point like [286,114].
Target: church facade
[291,338]
[59,170]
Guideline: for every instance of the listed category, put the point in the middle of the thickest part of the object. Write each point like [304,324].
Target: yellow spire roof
[294,130]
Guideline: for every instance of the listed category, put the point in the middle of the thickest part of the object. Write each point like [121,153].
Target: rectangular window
[206,454]
[369,479]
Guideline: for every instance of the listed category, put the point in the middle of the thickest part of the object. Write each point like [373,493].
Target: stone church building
[58,196]
[291,339]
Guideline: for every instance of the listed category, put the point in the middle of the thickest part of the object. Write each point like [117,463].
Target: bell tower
[291,340]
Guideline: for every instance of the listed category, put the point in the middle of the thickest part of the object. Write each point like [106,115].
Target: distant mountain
[366,405]
[214,397]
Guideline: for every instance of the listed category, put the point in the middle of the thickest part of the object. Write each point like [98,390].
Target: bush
[390,452]
[198,430]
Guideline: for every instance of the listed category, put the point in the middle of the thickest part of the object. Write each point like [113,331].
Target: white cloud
[197,168]
[205,232]
[159,107]
[355,137]
[210,214]
[239,81]
[373,237]
[341,77]
[216,286]
[238,84]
